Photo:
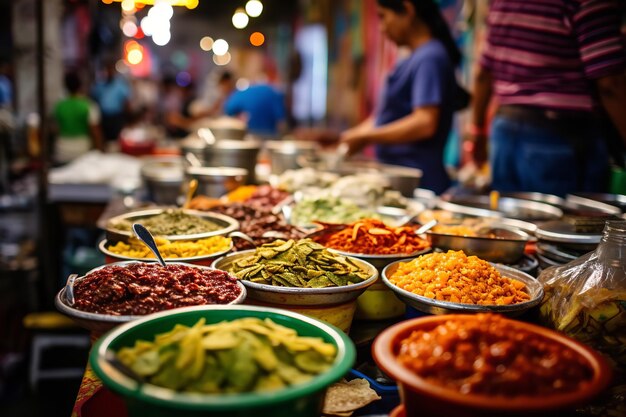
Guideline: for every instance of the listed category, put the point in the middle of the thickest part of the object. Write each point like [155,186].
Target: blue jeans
[527,157]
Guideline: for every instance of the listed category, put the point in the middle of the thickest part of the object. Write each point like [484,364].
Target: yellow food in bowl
[457,230]
[458,278]
[172,249]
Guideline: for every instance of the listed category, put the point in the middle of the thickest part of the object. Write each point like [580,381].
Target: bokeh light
[220,47]
[162,37]
[192,4]
[240,18]
[128,5]
[254,8]
[257,39]
[147,25]
[180,59]
[130,45]
[129,29]
[206,43]
[120,66]
[163,10]
[183,79]
[139,34]
[134,57]
[221,59]
[242,84]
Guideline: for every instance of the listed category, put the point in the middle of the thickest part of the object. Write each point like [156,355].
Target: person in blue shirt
[6,87]
[263,107]
[113,97]
[413,118]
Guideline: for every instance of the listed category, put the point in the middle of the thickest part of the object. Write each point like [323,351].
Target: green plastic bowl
[149,400]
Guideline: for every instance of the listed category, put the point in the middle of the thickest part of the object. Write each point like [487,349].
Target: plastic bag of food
[586,299]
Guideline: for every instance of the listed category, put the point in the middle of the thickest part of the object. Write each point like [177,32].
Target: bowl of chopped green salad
[235,361]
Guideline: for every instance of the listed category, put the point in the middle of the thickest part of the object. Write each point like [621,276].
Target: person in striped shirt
[554,67]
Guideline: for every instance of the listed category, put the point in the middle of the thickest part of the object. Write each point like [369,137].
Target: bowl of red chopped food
[124,291]
[487,365]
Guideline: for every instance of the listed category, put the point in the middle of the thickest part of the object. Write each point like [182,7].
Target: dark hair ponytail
[428,12]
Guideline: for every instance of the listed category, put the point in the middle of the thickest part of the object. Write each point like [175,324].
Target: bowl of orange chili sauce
[379,244]
[487,365]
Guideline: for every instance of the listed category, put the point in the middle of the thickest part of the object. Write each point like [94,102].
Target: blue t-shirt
[425,78]
[264,106]
[6,91]
[112,95]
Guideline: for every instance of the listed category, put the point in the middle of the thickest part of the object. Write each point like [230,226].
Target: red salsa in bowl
[491,356]
[488,365]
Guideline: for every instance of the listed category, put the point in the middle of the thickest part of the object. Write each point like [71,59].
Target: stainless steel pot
[234,153]
[216,181]
[285,154]
[163,179]
[195,146]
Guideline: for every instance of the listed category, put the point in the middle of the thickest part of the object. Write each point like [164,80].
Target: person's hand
[475,144]
[354,140]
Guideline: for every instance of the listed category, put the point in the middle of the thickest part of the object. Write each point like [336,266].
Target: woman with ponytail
[414,115]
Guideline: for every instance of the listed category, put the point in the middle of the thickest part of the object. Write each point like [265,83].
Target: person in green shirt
[78,123]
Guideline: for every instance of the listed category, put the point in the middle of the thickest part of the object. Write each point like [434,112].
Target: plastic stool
[40,343]
[51,322]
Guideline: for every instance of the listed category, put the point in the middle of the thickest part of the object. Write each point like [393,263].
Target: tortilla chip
[346,414]
[346,397]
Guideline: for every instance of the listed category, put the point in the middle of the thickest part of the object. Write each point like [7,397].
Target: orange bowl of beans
[487,365]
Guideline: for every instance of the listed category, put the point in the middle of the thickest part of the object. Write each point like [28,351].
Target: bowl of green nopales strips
[302,276]
[223,361]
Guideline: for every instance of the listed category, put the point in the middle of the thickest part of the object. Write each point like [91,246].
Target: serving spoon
[69,289]
[193,186]
[243,236]
[426,227]
[146,237]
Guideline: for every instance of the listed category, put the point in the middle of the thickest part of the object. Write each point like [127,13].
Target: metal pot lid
[291,146]
[235,144]
[539,197]
[587,208]
[193,142]
[217,171]
[611,200]
[557,253]
[560,231]
[480,205]
[165,169]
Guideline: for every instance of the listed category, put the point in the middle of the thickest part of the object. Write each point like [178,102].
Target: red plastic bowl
[421,398]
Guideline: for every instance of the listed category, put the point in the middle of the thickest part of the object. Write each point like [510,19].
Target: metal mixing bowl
[216,181]
[429,305]
[228,224]
[480,205]
[296,296]
[99,323]
[508,247]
